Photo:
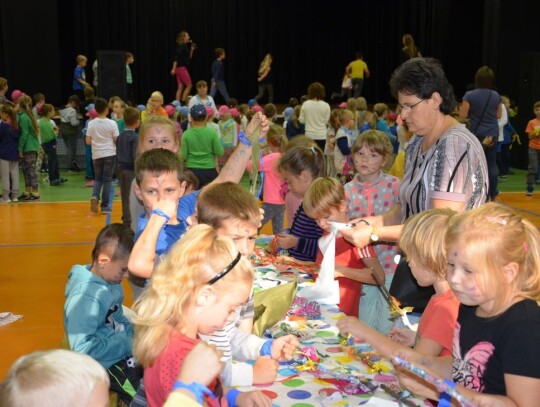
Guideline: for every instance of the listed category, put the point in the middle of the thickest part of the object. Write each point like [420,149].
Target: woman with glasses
[445,165]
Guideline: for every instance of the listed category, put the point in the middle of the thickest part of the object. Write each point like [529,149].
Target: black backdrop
[311,41]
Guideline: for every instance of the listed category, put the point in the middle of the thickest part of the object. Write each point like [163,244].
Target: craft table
[297,388]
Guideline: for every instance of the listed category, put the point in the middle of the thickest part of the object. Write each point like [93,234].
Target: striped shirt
[308,233]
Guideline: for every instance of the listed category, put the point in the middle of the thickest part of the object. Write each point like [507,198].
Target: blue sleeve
[186,206]
[343,145]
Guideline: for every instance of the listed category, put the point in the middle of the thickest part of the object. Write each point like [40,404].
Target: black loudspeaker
[529,83]
[112,74]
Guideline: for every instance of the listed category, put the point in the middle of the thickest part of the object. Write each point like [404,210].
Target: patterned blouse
[453,169]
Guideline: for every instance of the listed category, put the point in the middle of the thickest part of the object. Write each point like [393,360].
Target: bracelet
[445,399]
[244,139]
[266,349]
[197,389]
[232,395]
[159,212]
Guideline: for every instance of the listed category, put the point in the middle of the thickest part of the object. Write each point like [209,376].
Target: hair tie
[313,150]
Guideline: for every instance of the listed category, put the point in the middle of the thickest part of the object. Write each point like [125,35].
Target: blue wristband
[244,139]
[197,389]
[232,395]
[159,212]
[445,399]
[266,349]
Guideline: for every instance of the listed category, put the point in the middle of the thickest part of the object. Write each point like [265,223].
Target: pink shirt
[272,179]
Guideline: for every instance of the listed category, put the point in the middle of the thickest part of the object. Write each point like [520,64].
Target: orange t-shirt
[532,127]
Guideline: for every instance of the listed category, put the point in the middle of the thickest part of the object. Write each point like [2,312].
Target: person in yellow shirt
[358,70]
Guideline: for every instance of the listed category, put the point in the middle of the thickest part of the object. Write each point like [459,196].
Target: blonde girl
[29,145]
[273,201]
[494,271]
[264,78]
[370,193]
[154,107]
[195,289]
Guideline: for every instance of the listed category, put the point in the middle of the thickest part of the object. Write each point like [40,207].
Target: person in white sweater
[315,113]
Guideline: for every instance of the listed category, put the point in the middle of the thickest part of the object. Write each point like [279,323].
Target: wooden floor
[39,242]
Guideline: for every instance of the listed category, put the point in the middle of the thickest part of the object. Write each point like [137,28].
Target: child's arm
[234,168]
[143,256]
[343,143]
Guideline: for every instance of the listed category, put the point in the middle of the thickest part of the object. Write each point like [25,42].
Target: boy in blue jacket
[93,317]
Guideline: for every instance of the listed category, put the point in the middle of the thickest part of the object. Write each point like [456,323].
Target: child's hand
[253,399]
[351,325]
[202,354]
[283,347]
[359,235]
[286,241]
[403,336]
[265,370]
[258,119]
[413,382]
[169,207]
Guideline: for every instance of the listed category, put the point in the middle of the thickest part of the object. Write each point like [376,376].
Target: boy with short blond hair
[234,212]
[533,131]
[79,77]
[325,202]
[55,378]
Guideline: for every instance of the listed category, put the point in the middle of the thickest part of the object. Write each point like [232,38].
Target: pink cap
[92,114]
[257,108]
[223,109]
[342,105]
[15,95]
[234,112]
[170,109]
[209,111]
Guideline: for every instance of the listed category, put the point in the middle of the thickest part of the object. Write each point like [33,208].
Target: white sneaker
[5,200]
[15,200]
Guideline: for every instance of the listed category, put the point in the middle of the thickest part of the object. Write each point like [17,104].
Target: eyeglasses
[225,271]
[407,108]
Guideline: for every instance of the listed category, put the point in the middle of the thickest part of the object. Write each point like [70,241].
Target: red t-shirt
[349,290]
[160,377]
[439,319]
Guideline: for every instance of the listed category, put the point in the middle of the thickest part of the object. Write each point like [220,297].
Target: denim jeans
[103,171]
[220,85]
[50,150]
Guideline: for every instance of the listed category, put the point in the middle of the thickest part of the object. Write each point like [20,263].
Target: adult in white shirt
[315,113]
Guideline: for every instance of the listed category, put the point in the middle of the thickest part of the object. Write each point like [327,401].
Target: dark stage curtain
[310,41]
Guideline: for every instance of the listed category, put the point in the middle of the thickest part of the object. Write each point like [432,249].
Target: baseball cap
[198,112]
[223,109]
[257,108]
[15,95]
[234,112]
[183,110]
[170,110]
[252,102]
[209,110]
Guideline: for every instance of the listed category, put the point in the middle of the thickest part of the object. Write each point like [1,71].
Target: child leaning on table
[238,217]
[325,202]
[195,289]
[421,242]
[93,318]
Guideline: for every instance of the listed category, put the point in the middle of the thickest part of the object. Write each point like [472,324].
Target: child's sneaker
[107,209]
[530,190]
[90,183]
[94,205]
[5,200]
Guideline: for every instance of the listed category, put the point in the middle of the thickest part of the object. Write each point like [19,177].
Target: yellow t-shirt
[357,68]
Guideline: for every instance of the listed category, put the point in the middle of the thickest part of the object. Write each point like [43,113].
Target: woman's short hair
[423,77]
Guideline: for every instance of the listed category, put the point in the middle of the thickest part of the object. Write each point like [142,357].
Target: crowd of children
[178,169]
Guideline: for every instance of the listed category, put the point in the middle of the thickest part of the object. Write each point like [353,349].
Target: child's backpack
[228,133]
